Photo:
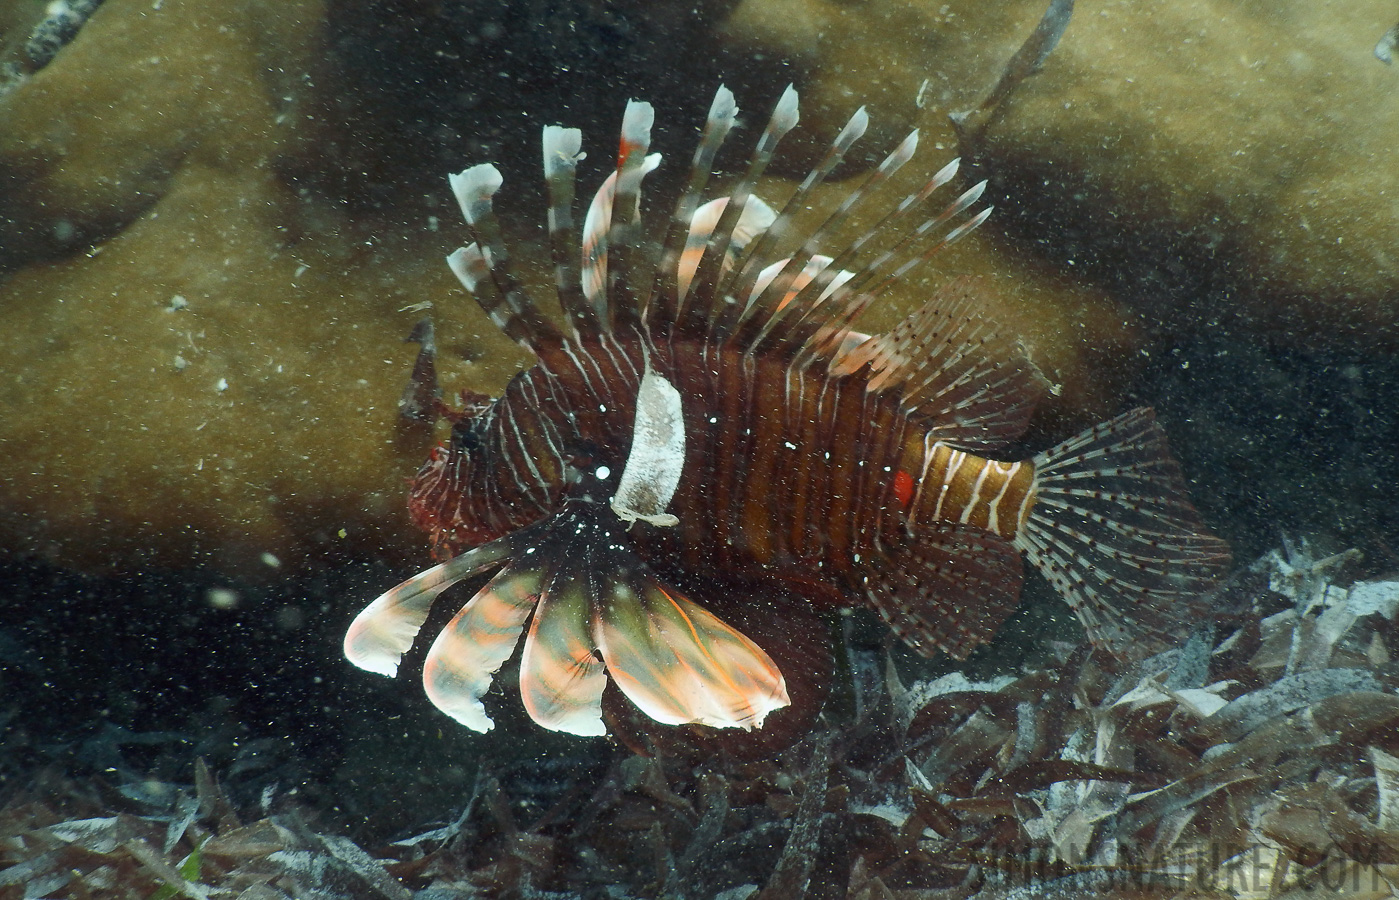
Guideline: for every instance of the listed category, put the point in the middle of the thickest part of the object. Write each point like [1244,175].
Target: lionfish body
[716,428]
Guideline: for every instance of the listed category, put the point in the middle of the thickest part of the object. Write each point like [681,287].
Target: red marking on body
[625,149]
[903,488]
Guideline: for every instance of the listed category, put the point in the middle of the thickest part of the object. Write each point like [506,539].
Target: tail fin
[1113,530]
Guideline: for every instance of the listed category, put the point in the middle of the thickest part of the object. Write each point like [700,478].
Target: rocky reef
[219,225]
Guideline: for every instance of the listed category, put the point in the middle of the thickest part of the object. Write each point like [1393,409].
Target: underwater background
[219,221]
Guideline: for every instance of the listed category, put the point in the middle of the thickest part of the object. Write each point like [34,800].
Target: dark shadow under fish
[707,434]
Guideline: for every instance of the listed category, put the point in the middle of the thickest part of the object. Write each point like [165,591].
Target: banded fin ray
[908,249]
[632,166]
[972,385]
[815,328]
[594,609]
[561,676]
[757,217]
[1112,531]
[680,663]
[950,589]
[811,325]
[739,285]
[562,150]
[487,263]
[790,322]
[705,295]
[598,272]
[463,659]
[667,293]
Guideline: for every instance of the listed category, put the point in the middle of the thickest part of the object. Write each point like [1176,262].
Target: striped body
[787,471]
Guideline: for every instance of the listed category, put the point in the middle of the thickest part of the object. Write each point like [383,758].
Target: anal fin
[949,589]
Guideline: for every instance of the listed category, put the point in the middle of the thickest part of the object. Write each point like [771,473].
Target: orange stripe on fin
[679,663]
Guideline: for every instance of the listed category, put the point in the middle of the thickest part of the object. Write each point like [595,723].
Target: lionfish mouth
[593,607]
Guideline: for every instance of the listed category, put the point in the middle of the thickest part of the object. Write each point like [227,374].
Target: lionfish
[708,434]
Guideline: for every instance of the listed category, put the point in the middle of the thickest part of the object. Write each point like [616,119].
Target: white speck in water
[222,598]
[222,385]
[270,561]
[181,363]
[789,445]
[924,90]
[603,473]
[177,303]
[64,231]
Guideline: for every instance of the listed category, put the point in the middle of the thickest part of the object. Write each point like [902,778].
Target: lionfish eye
[464,436]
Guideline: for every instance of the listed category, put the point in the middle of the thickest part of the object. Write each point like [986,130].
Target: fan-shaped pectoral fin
[379,636]
[679,663]
[561,677]
[476,643]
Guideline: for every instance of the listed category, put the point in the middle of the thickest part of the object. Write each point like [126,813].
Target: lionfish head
[438,501]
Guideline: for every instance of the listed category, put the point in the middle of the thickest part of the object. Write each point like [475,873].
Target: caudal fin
[1113,530]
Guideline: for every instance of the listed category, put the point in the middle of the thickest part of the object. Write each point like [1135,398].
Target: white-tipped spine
[854,129]
[968,226]
[724,109]
[636,123]
[474,189]
[563,149]
[945,174]
[786,114]
[470,264]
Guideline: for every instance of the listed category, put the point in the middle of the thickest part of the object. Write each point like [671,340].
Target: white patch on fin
[657,458]
[383,632]
[475,187]
[470,264]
